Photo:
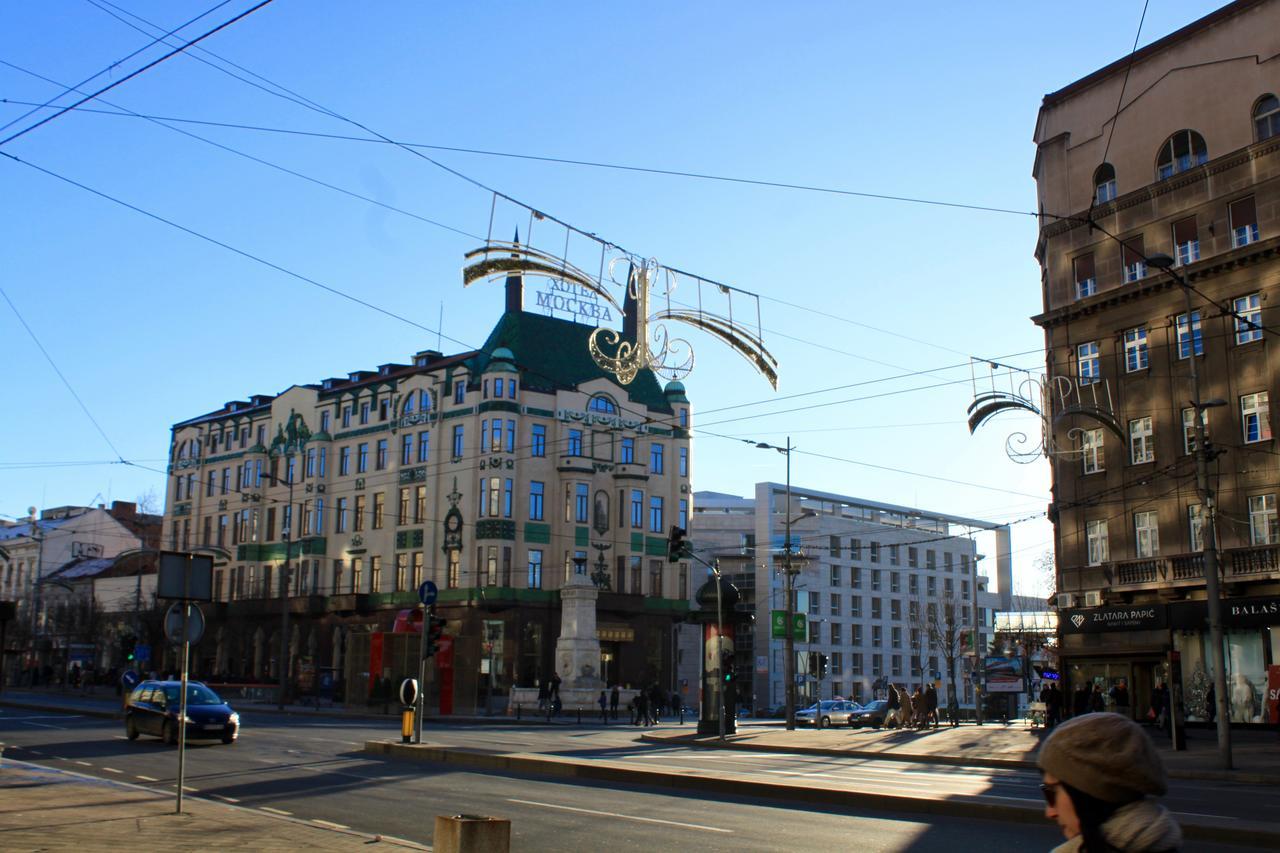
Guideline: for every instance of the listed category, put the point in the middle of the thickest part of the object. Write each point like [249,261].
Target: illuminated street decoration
[644,341]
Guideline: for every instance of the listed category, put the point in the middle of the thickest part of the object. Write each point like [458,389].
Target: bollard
[471,834]
[406,725]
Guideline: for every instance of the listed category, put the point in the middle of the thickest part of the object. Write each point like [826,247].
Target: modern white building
[868,575]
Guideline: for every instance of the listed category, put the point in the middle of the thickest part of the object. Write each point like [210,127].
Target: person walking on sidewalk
[604,707]
[1100,773]
[613,702]
[931,705]
[895,704]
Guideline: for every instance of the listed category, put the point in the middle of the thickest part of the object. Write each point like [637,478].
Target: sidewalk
[1256,755]
[44,809]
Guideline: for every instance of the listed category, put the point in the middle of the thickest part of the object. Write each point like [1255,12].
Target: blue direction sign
[427,593]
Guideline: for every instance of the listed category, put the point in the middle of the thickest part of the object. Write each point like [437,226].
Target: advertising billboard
[1004,674]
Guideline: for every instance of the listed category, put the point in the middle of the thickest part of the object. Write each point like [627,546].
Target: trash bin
[471,834]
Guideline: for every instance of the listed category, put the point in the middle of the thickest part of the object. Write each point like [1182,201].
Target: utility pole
[789,661]
[284,591]
[1208,526]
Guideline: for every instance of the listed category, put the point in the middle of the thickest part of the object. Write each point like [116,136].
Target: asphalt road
[312,769]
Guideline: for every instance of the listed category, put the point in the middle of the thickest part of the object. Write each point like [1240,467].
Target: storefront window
[1247,656]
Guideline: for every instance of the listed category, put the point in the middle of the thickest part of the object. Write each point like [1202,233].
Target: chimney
[515,286]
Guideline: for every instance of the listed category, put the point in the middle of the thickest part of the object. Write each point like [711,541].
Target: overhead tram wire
[66,90]
[1124,84]
[64,110]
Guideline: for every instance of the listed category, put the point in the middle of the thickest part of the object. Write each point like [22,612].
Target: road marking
[1202,814]
[226,799]
[190,789]
[9,719]
[119,737]
[84,764]
[265,760]
[147,779]
[276,811]
[330,824]
[44,725]
[112,770]
[623,816]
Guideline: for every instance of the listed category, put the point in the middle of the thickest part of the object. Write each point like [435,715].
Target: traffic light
[433,628]
[822,666]
[678,547]
[726,666]
[128,645]
[813,663]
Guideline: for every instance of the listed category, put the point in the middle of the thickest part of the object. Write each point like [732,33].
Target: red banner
[1273,693]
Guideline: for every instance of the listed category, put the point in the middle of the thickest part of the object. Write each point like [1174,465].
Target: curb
[1238,776]
[1251,834]
[63,709]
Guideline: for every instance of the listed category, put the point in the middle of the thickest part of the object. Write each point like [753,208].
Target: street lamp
[1213,592]
[789,572]
[284,593]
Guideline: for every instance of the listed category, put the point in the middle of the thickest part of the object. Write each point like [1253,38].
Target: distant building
[1188,168]
[866,568]
[489,472]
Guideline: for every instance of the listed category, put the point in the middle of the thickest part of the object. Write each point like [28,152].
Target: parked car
[826,713]
[870,714]
[153,708]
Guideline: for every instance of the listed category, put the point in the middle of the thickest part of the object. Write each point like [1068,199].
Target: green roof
[552,354]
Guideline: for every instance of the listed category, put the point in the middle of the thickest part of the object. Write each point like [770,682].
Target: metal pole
[284,603]
[422,675]
[976,675]
[789,663]
[1212,591]
[182,700]
[719,648]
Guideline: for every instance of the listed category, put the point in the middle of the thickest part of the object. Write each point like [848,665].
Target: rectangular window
[1255,417]
[1131,251]
[913,584]
[1135,350]
[895,609]
[419,569]
[581,503]
[875,580]
[1096,540]
[1189,428]
[876,610]
[627,451]
[324,453]
[837,635]
[406,449]
[1086,284]
[310,466]
[403,516]
[364,412]
[535,569]
[836,600]
[1244,222]
[362,458]
[855,549]
[655,458]
[1091,451]
[402,571]
[895,582]
[1146,534]
[424,446]
[1248,318]
[1088,364]
[1185,339]
[346,416]
[375,573]
[1195,527]
[875,552]
[325,417]
[381,459]
[1186,241]
[895,637]
[511,436]
[420,505]
[379,508]
[877,636]
[458,434]
[637,509]
[1262,520]
[358,514]
[575,442]
[932,585]
[855,610]
[538,440]
[893,554]
[684,462]
[344,461]
[1141,444]
[655,515]
[536,494]
[459,391]
[913,556]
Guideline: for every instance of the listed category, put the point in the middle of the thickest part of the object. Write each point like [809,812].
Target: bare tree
[1045,572]
[943,623]
[149,502]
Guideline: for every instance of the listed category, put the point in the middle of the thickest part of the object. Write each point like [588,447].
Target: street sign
[799,625]
[183,575]
[142,651]
[173,624]
[129,680]
[427,593]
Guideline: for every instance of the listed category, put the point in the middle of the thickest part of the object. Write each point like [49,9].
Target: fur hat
[1105,755]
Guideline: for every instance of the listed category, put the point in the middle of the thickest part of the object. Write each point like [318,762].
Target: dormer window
[1104,183]
[1266,117]
[1182,151]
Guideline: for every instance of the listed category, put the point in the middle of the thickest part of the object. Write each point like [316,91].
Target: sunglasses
[1050,793]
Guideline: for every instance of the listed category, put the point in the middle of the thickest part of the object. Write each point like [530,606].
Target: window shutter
[1133,250]
[1184,231]
[1243,212]
[1084,267]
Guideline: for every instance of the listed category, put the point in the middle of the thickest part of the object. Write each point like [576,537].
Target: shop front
[1113,657]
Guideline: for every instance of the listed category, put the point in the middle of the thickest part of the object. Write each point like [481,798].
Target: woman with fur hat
[1100,773]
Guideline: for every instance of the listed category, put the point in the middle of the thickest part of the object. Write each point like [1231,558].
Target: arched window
[1104,183]
[602,404]
[1182,151]
[1266,117]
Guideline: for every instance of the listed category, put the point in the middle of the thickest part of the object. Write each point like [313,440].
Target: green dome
[502,359]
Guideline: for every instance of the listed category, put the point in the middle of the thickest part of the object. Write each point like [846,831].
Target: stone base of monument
[572,699]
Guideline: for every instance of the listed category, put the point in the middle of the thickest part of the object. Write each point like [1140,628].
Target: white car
[828,712]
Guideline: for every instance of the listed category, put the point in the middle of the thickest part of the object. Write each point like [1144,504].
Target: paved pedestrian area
[1255,754]
[44,809]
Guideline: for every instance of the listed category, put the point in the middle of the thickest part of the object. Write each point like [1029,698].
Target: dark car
[870,714]
[153,708]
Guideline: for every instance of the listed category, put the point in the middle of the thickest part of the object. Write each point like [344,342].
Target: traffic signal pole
[422,675]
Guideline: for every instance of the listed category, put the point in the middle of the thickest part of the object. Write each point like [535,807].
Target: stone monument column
[578,649]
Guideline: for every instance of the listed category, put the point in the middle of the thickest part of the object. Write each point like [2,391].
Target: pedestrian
[1119,695]
[604,707]
[1096,702]
[895,704]
[544,696]
[953,711]
[656,700]
[917,708]
[931,705]
[1100,773]
[555,686]
[1053,712]
[642,708]
[613,702]
[1080,700]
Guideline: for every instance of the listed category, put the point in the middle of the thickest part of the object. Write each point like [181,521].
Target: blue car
[153,708]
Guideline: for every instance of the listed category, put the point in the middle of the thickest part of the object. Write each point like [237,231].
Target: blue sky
[151,325]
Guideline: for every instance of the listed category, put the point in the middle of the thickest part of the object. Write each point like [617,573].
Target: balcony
[1236,565]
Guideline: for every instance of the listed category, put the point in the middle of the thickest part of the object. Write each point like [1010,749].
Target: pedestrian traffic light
[726,666]
[678,547]
[128,645]
[822,666]
[433,628]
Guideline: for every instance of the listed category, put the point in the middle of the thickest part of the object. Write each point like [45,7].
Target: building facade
[1189,168]
[870,576]
[487,472]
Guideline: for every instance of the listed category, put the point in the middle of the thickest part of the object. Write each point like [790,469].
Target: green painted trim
[499,406]
[322,436]
[496,528]
[657,430]
[655,546]
[406,539]
[393,599]
[458,413]
[536,533]
[666,605]
[637,541]
[541,413]
[224,457]
[581,537]
[468,594]
[370,430]
[273,551]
